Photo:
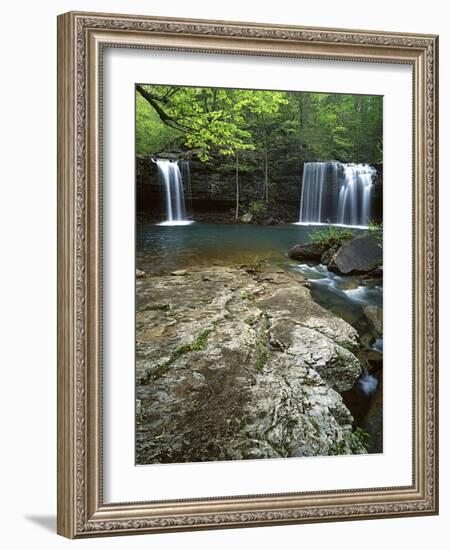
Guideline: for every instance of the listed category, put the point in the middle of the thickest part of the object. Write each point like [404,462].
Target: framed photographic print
[247,274]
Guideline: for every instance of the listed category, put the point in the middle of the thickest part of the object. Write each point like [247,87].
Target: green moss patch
[197,345]
[157,307]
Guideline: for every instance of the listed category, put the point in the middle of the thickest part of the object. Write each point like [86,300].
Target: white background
[28,296]
[123,482]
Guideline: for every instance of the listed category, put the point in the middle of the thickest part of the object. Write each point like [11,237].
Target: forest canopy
[218,121]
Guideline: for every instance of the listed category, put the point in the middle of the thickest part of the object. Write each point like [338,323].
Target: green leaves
[152,134]
[312,126]
[332,236]
[341,127]
[208,119]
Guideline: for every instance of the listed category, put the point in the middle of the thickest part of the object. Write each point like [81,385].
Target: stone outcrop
[240,363]
[308,251]
[359,255]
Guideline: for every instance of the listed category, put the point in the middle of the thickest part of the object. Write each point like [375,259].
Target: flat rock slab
[236,363]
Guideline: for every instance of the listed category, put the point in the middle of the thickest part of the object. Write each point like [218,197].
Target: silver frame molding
[81,37]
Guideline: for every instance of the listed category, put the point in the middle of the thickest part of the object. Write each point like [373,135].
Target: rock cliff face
[238,363]
[213,188]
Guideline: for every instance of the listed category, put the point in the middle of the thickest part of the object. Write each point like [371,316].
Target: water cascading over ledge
[336,193]
[171,179]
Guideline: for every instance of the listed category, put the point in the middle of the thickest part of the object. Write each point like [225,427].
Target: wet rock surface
[374,315]
[373,420]
[308,251]
[240,362]
[359,255]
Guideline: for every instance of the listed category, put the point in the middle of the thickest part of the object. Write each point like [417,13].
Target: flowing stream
[346,296]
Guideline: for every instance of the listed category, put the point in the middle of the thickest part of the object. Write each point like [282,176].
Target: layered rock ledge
[240,363]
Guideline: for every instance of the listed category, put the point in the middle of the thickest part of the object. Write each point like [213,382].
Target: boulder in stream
[359,255]
[308,251]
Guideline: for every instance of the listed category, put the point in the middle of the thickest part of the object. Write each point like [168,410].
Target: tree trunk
[237,185]
[266,176]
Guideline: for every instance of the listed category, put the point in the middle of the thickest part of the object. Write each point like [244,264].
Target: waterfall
[186,179]
[311,204]
[171,179]
[333,192]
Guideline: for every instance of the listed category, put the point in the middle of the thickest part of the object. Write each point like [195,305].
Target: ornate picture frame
[82,38]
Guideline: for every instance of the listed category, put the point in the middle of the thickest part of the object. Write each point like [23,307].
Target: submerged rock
[376,273]
[359,255]
[327,256]
[374,315]
[308,251]
[245,366]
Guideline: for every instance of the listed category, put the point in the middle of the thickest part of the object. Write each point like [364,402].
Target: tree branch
[165,118]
